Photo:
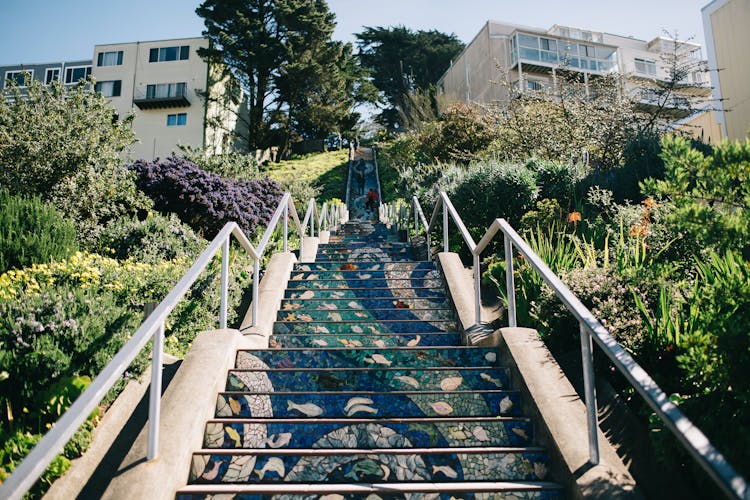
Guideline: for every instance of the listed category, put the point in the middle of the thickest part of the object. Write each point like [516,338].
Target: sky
[39,31]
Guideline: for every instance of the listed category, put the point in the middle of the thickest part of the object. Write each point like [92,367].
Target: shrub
[605,293]
[51,132]
[32,231]
[206,201]
[492,189]
[152,240]
[558,180]
[708,193]
[97,196]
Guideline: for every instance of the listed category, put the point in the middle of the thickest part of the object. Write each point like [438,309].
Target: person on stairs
[372,200]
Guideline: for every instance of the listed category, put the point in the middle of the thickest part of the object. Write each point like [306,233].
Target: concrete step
[379,340]
[393,293]
[270,433]
[430,490]
[363,304]
[369,465]
[422,357]
[370,379]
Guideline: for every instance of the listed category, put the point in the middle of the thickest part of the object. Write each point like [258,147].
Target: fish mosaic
[366,356]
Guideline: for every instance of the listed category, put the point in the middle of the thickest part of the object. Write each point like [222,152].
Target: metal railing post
[510,287]
[477,289]
[256,285]
[416,220]
[590,394]
[446,246]
[224,284]
[286,228]
[154,399]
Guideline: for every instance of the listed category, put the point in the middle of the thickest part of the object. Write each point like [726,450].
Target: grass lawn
[325,171]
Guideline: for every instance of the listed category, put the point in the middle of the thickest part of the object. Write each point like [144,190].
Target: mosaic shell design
[366,381]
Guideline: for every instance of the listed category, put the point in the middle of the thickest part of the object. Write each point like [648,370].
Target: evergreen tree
[405,63]
[281,52]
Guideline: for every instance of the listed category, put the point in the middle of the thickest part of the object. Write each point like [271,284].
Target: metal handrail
[691,437]
[35,463]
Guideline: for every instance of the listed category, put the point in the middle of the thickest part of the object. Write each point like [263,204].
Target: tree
[676,94]
[281,53]
[49,133]
[404,62]
[567,122]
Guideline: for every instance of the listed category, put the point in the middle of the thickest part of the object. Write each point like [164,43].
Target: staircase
[367,392]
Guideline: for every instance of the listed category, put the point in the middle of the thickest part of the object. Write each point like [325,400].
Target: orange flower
[649,202]
[574,217]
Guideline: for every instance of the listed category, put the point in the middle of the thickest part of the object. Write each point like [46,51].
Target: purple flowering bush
[206,201]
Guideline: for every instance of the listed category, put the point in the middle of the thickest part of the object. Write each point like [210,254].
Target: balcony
[161,96]
[543,54]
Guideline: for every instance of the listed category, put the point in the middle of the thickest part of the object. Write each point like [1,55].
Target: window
[19,77]
[51,75]
[548,44]
[169,53]
[76,73]
[645,67]
[110,88]
[162,90]
[113,58]
[176,119]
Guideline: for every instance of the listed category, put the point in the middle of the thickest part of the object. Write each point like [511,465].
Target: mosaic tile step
[423,357]
[367,404]
[364,340]
[365,293]
[365,275]
[367,283]
[365,266]
[351,244]
[343,253]
[465,490]
[418,464]
[392,314]
[372,326]
[358,304]
[336,259]
[368,433]
[370,379]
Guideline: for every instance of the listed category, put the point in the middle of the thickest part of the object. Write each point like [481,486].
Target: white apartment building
[532,59]
[164,83]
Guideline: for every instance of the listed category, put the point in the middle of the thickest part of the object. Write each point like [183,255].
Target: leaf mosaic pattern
[366,381]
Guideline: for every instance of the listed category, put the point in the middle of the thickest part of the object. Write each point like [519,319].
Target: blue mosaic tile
[365,357]
[521,493]
[367,283]
[365,293]
[392,314]
[370,433]
[369,379]
[384,326]
[264,467]
[342,304]
[365,266]
[364,340]
[366,404]
[364,275]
